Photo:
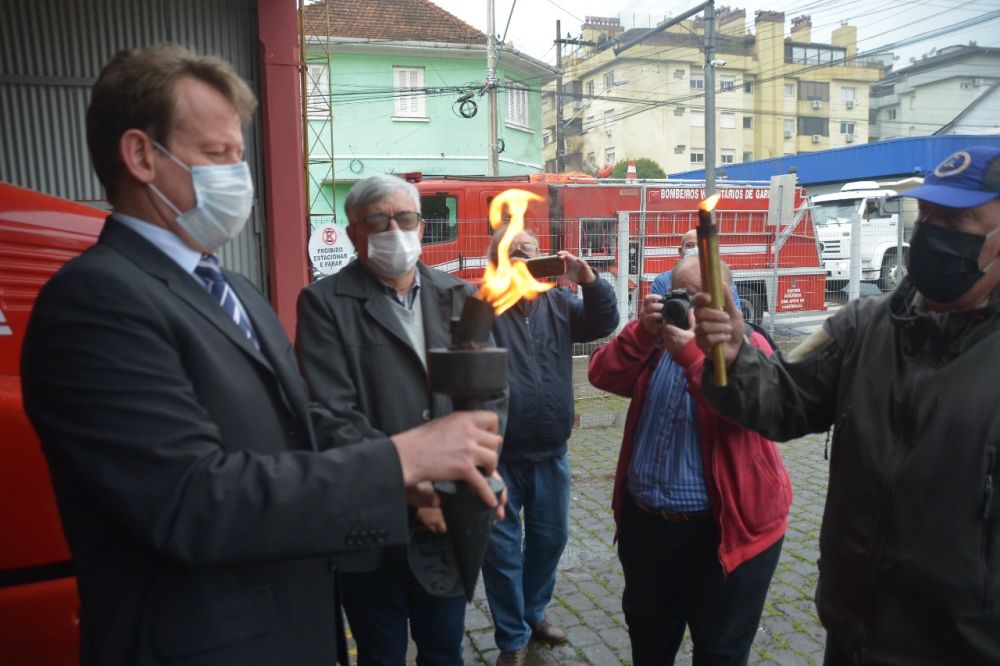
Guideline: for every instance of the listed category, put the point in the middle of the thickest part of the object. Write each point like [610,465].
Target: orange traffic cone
[630,173]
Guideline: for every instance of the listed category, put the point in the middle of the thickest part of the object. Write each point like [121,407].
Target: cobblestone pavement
[587,600]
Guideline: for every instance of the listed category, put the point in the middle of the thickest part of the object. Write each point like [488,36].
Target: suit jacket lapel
[274,344]
[357,282]
[440,307]
[150,259]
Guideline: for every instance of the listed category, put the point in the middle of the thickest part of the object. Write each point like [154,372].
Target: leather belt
[674,516]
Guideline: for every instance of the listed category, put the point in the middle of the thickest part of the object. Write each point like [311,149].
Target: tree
[644,168]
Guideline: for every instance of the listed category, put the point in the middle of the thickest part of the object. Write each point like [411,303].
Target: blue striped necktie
[211,276]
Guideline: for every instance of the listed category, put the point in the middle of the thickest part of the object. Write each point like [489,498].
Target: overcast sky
[879,22]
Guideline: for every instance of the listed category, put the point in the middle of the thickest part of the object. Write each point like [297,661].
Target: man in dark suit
[200,492]
[369,326]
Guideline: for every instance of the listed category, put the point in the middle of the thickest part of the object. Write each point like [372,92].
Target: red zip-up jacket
[748,485]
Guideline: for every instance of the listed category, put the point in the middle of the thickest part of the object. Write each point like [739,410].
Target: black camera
[676,306]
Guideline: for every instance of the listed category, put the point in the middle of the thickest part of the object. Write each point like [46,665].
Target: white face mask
[393,253]
[223,196]
[689,251]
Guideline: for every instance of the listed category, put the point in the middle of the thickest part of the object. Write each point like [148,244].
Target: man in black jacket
[201,495]
[363,337]
[910,543]
[538,335]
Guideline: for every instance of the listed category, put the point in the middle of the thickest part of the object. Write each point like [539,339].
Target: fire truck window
[599,237]
[440,213]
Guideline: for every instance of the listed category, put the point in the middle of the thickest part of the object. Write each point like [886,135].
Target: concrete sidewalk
[587,601]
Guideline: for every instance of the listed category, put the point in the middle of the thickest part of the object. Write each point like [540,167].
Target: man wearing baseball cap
[910,543]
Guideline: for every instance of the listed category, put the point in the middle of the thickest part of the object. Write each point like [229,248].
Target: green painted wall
[367,140]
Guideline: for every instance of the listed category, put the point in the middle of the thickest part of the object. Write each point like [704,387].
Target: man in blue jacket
[539,336]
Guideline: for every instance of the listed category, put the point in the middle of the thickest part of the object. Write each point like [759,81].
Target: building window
[727,84]
[847,128]
[517,105]
[789,128]
[609,80]
[591,159]
[728,156]
[697,156]
[678,73]
[318,85]
[678,110]
[609,120]
[546,104]
[697,119]
[803,54]
[890,114]
[812,125]
[747,122]
[697,82]
[679,149]
[546,137]
[748,87]
[590,88]
[814,90]
[748,156]
[409,92]
[848,94]
[727,120]
[609,155]
[789,90]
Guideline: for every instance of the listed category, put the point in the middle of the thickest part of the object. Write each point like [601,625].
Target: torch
[711,274]
[472,373]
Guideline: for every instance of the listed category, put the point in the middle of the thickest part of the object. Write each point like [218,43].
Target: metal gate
[51,52]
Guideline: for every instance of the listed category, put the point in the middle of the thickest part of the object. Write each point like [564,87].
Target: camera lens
[675,309]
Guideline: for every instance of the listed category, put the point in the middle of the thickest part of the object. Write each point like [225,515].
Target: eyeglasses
[407,220]
[527,247]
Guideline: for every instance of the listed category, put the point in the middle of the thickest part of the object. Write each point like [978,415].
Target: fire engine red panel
[39,624]
[800,293]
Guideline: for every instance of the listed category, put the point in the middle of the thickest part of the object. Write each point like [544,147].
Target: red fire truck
[38,600]
[772,265]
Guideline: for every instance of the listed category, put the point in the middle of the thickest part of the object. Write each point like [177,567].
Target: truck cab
[884,245]
[39,606]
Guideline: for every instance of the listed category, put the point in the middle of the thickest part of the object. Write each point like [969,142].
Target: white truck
[885,230]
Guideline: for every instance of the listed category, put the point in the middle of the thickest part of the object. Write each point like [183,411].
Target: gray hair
[378,187]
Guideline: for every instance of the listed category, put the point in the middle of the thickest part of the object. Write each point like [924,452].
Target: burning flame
[708,205]
[505,283]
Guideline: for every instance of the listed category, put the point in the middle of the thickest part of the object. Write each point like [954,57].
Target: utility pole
[710,62]
[710,98]
[560,133]
[491,87]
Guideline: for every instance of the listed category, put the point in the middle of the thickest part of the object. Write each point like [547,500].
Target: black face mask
[944,263]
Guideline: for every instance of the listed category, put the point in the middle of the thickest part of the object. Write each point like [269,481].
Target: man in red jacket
[701,504]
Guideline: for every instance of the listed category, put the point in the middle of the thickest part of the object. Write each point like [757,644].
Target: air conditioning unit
[817,138]
[817,104]
[849,104]
[849,138]
[788,134]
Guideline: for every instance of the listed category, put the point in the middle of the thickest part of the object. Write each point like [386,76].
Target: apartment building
[954,90]
[774,95]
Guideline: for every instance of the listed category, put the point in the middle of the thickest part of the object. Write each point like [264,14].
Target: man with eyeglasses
[520,574]
[363,336]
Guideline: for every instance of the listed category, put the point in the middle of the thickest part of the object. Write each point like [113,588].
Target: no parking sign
[329,249]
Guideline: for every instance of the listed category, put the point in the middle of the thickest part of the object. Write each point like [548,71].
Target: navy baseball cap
[966,179]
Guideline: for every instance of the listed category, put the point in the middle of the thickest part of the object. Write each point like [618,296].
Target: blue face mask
[223,198]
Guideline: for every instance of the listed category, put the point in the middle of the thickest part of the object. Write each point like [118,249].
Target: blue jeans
[673,579]
[519,575]
[378,604]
